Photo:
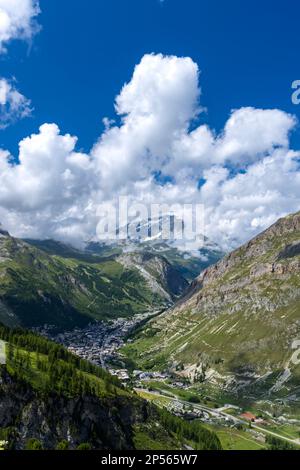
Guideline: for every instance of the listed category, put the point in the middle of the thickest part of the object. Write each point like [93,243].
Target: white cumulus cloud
[17,20]
[155,107]
[246,176]
[13,105]
[251,132]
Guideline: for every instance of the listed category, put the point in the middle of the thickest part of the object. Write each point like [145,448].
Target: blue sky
[234,147]
[248,54]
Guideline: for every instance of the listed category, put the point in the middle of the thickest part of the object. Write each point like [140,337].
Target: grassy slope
[65,291]
[49,369]
[236,320]
[233,439]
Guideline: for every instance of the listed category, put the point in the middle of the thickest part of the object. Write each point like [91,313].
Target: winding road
[222,414]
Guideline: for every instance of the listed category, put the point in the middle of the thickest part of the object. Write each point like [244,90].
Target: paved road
[264,430]
[222,414]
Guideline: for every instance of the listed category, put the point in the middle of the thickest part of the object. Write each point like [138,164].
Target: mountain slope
[161,277]
[188,264]
[239,325]
[54,398]
[163,236]
[71,288]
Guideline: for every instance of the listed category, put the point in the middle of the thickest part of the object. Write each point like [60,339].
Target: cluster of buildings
[122,374]
[137,376]
[185,411]
[252,418]
[99,342]
[191,412]
[96,343]
[142,375]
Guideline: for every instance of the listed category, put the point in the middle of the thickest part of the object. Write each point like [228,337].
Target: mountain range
[234,331]
[238,326]
[48,282]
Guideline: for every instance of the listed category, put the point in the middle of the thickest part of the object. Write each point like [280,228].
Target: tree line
[190,430]
[62,370]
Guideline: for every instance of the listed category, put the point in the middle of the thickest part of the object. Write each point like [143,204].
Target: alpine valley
[236,332]
[212,363]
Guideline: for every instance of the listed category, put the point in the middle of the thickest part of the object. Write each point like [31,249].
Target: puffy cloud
[47,192]
[49,173]
[252,132]
[239,207]
[248,134]
[155,106]
[17,20]
[13,105]
[247,176]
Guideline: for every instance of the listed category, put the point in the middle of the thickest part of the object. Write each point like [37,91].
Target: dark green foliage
[191,431]
[7,434]
[279,444]
[84,446]
[65,373]
[62,445]
[33,444]
[50,370]
[194,399]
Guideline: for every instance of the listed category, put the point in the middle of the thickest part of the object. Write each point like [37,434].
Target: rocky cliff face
[240,321]
[241,279]
[105,424]
[161,277]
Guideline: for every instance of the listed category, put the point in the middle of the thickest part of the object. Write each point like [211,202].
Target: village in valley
[100,343]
